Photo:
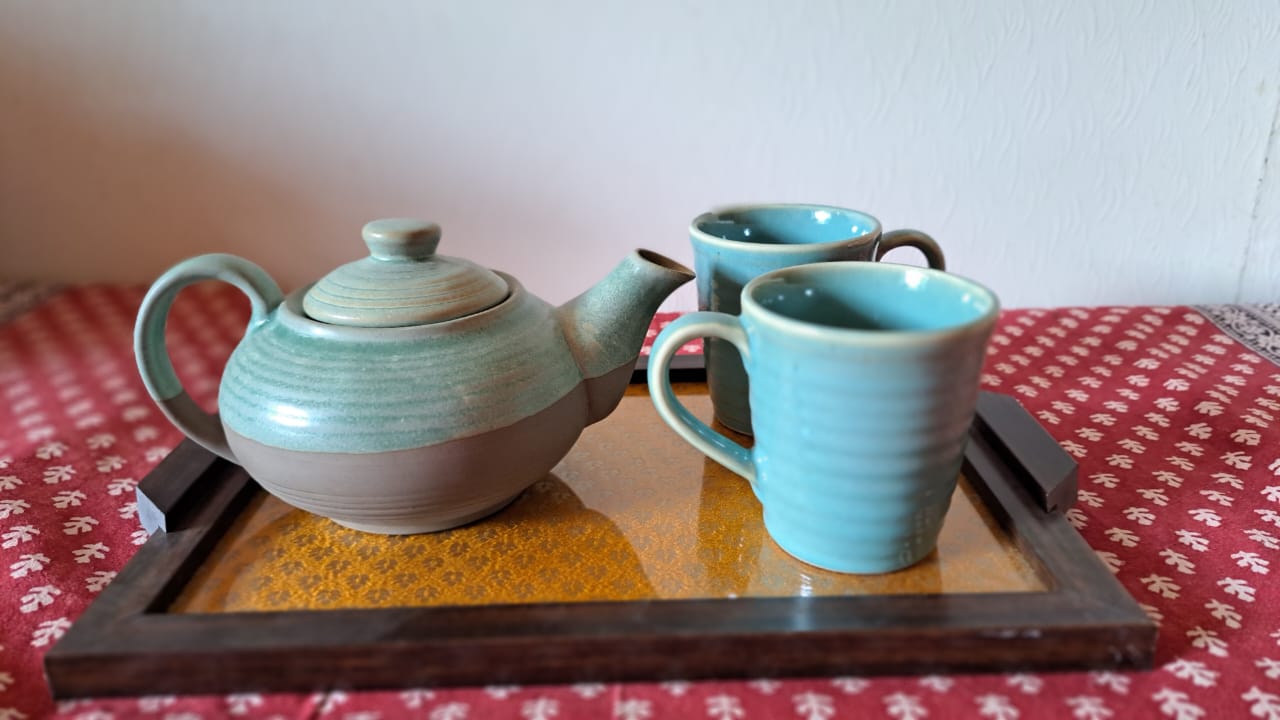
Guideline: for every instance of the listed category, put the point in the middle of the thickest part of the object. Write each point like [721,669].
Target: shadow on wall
[100,191]
[113,170]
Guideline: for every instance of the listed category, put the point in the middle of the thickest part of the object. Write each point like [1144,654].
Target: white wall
[1063,152]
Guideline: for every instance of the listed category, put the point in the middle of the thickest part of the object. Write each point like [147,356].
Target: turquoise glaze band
[298,384]
[864,378]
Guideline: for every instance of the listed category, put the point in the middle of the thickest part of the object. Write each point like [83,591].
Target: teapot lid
[403,281]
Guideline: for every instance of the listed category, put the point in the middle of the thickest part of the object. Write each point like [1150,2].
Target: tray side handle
[1047,471]
[169,489]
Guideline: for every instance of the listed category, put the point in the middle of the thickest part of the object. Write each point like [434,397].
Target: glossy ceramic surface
[631,513]
[417,427]
[864,382]
[733,245]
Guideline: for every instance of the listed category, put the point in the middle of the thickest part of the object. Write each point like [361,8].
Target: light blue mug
[864,377]
[732,245]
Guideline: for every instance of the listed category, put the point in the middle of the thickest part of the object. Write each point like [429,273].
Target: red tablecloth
[1174,422]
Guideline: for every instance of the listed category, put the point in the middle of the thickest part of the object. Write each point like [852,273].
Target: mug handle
[696,432]
[916,239]
[152,355]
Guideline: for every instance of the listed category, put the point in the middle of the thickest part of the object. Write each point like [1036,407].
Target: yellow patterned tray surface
[632,513]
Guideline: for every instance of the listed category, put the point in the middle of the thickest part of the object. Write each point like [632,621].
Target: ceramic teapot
[407,391]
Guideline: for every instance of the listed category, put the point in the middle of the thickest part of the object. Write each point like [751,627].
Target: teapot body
[406,429]
[407,391]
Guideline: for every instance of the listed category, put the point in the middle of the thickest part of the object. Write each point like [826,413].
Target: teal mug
[864,378]
[732,245]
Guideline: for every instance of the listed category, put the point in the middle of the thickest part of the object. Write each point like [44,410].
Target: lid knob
[401,239]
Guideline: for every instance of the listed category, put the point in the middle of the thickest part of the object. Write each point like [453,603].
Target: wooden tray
[198,609]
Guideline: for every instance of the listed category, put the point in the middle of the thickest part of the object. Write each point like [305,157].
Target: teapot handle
[153,357]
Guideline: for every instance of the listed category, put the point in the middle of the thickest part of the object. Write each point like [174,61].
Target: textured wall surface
[1064,153]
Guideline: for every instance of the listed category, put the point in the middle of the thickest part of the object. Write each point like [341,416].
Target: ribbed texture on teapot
[300,385]
[403,281]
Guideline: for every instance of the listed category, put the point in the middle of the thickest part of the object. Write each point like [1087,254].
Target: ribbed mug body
[857,447]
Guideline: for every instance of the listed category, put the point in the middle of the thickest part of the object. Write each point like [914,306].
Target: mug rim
[872,234]
[843,335]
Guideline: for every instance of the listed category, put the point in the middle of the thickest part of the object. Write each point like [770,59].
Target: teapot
[407,391]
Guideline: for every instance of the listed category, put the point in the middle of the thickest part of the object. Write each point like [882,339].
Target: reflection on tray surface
[632,513]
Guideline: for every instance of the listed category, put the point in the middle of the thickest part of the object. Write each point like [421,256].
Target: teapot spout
[606,325]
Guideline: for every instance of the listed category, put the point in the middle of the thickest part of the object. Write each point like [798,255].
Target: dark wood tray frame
[127,644]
